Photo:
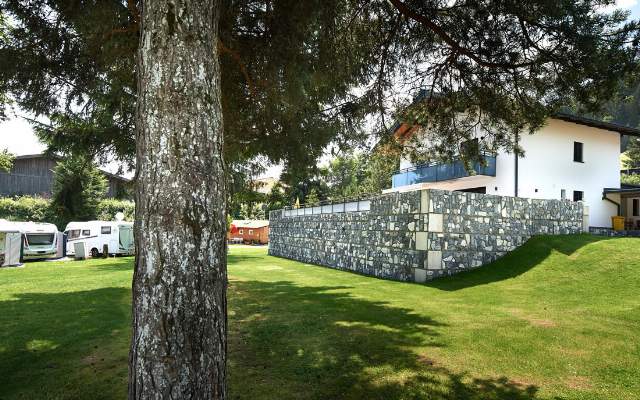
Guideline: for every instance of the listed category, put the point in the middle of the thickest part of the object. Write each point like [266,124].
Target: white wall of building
[548,167]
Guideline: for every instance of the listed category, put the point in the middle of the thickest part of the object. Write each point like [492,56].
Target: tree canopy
[6,160]
[633,153]
[304,74]
[78,188]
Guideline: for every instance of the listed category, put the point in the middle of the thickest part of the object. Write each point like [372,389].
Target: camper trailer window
[105,230]
[86,232]
[36,239]
[74,233]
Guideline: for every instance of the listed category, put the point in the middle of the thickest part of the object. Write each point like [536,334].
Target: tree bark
[178,345]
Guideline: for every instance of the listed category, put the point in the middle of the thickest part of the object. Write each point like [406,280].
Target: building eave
[621,190]
[594,123]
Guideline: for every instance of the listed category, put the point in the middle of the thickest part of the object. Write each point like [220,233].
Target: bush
[37,209]
[108,208]
[26,208]
[633,179]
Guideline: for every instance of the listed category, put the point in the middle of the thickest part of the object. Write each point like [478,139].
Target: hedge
[26,208]
[108,208]
[37,209]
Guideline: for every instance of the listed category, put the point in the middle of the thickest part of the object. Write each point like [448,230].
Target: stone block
[421,241]
[424,201]
[434,259]
[435,222]
[585,218]
[419,275]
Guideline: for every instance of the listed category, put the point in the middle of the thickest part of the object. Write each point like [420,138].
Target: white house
[571,158]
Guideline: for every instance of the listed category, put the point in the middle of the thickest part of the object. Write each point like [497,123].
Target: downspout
[515,152]
[604,197]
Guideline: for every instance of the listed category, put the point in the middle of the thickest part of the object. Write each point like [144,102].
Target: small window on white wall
[577,152]
[578,195]
[563,194]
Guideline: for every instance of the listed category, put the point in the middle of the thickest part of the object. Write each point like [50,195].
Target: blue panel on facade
[442,172]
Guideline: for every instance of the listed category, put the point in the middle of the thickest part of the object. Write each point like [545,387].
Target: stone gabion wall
[420,235]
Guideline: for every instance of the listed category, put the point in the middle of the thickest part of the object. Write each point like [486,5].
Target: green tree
[345,175]
[364,173]
[276,199]
[312,198]
[381,163]
[6,160]
[299,181]
[253,211]
[632,179]
[78,188]
[633,153]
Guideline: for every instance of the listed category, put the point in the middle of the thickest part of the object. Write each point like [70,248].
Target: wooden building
[249,231]
[32,175]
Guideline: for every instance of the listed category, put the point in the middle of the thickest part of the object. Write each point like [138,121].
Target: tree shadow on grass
[285,342]
[517,262]
[296,342]
[112,264]
[237,258]
[65,345]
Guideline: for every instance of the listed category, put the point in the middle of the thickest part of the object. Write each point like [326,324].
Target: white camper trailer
[10,244]
[117,235]
[40,240]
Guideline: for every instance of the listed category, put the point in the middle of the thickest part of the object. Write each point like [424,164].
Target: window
[563,194]
[105,230]
[74,234]
[578,195]
[40,239]
[250,231]
[86,232]
[480,189]
[636,207]
[577,152]
[240,231]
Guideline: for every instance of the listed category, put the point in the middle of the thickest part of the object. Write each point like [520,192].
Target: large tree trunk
[178,346]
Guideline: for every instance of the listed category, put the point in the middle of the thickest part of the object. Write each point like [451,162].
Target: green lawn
[557,319]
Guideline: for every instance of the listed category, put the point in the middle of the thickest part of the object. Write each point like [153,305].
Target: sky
[17,136]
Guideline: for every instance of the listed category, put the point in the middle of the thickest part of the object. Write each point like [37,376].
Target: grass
[557,319]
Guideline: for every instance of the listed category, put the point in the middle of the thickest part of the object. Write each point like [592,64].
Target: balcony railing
[442,172]
[340,205]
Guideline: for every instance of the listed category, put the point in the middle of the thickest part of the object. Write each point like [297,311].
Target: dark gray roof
[595,123]
[625,188]
[55,157]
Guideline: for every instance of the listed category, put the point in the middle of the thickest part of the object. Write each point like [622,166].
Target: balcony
[442,172]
